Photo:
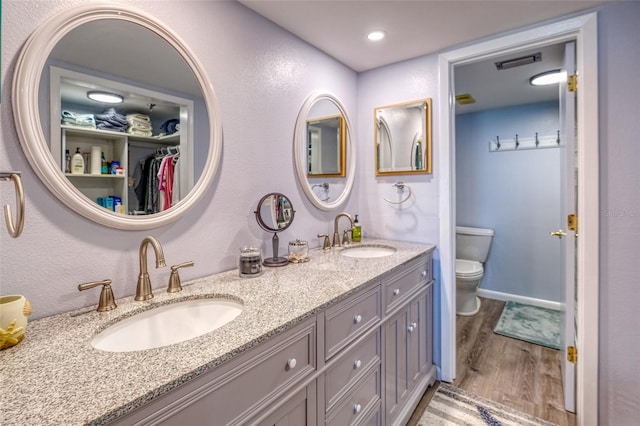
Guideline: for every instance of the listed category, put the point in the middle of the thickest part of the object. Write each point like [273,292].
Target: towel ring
[401,186]
[14,229]
[325,186]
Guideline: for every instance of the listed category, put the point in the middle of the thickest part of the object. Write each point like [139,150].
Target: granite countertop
[56,377]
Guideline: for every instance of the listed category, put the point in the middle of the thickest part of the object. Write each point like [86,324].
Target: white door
[568,205]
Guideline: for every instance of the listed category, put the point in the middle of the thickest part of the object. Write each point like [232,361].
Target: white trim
[583,29]
[506,297]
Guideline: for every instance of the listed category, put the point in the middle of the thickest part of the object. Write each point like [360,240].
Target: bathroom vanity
[336,341]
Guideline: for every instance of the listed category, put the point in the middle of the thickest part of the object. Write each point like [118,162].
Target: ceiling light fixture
[376,35]
[548,77]
[105,97]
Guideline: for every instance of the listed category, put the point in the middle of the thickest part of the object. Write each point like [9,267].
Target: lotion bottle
[356,232]
[77,163]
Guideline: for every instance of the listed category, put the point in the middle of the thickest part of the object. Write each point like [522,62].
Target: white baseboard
[490,294]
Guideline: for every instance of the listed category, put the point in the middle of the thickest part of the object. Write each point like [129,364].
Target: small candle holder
[250,262]
[298,251]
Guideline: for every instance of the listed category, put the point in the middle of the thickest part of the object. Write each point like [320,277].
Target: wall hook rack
[519,144]
[401,186]
[14,228]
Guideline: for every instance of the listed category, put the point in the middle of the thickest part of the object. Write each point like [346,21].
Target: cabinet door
[408,351]
[396,361]
[419,335]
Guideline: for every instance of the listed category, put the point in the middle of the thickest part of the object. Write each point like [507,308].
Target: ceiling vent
[516,62]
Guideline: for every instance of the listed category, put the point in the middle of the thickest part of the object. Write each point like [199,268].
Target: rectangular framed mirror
[403,138]
[326,146]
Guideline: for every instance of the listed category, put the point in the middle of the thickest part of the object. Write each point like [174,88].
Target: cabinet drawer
[349,319]
[235,392]
[351,366]
[358,403]
[399,286]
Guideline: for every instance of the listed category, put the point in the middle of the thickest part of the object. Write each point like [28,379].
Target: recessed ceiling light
[548,77]
[376,35]
[105,97]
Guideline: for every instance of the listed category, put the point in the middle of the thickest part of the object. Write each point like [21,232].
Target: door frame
[584,30]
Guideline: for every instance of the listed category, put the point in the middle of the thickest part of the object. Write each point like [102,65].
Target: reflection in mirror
[326,142]
[403,138]
[324,151]
[275,214]
[168,119]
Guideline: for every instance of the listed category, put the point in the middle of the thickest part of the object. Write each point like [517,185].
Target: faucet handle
[107,302]
[326,244]
[174,278]
[345,236]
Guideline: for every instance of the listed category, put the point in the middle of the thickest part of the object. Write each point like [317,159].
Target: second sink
[368,251]
[167,324]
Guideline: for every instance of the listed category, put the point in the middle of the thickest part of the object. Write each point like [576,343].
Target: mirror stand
[275,214]
[275,260]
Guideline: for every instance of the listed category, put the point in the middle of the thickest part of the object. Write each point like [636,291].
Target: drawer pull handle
[424,273]
[357,408]
[412,327]
[357,319]
[396,291]
[357,364]
[291,363]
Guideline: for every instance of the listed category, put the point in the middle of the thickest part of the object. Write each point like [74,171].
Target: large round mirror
[103,159]
[324,152]
[275,214]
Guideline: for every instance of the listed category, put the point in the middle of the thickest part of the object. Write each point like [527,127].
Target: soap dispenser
[77,163]
[356,231]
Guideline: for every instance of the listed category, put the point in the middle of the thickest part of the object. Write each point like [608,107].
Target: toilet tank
[473,243]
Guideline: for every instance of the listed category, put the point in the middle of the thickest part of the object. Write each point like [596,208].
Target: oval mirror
[168,111]
[324,152]
[275,214]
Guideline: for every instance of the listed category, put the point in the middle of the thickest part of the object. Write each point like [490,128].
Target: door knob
[559,233]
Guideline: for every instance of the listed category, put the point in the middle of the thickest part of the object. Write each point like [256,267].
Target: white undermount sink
[368,251]
[167,324]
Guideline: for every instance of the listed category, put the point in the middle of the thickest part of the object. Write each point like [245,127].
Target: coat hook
[517,142]
[537,141]
[15,229]
[497,142]
[558,138]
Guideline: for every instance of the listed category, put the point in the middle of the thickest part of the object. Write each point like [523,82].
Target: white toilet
[472,249]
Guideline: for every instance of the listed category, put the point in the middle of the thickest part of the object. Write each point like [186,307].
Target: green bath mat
[530,323]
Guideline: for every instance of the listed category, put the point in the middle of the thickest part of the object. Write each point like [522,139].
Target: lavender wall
[261,75]
[619,91]
[515,193]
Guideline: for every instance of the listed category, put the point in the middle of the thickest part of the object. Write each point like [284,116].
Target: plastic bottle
[77,163]
[67,161]
[105,167]
[356,232]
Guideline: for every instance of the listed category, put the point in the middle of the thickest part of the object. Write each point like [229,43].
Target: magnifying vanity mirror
[275,214]
[324,152]
[403,138]
[168,117]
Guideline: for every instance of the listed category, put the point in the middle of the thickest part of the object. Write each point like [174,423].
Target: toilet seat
[469,269]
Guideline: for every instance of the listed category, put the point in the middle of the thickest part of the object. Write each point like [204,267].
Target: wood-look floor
[518,374]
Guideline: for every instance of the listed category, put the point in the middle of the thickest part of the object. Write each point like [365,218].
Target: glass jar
[250,262]
[298,251]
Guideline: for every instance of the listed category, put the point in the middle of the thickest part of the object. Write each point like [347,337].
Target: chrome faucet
[143,290]
[336,234]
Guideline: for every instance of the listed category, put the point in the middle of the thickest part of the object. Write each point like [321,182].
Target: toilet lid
[465,268]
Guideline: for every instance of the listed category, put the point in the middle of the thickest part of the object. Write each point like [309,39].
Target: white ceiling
[420,27]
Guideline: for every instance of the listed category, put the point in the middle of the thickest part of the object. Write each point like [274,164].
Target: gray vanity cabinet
[365,360]
[408,340]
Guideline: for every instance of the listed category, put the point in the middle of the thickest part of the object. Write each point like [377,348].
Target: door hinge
[572,354]
[572,83]
[572,222]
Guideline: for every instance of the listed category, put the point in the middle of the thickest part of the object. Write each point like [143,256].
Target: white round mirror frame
[300,148]
[26,80]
